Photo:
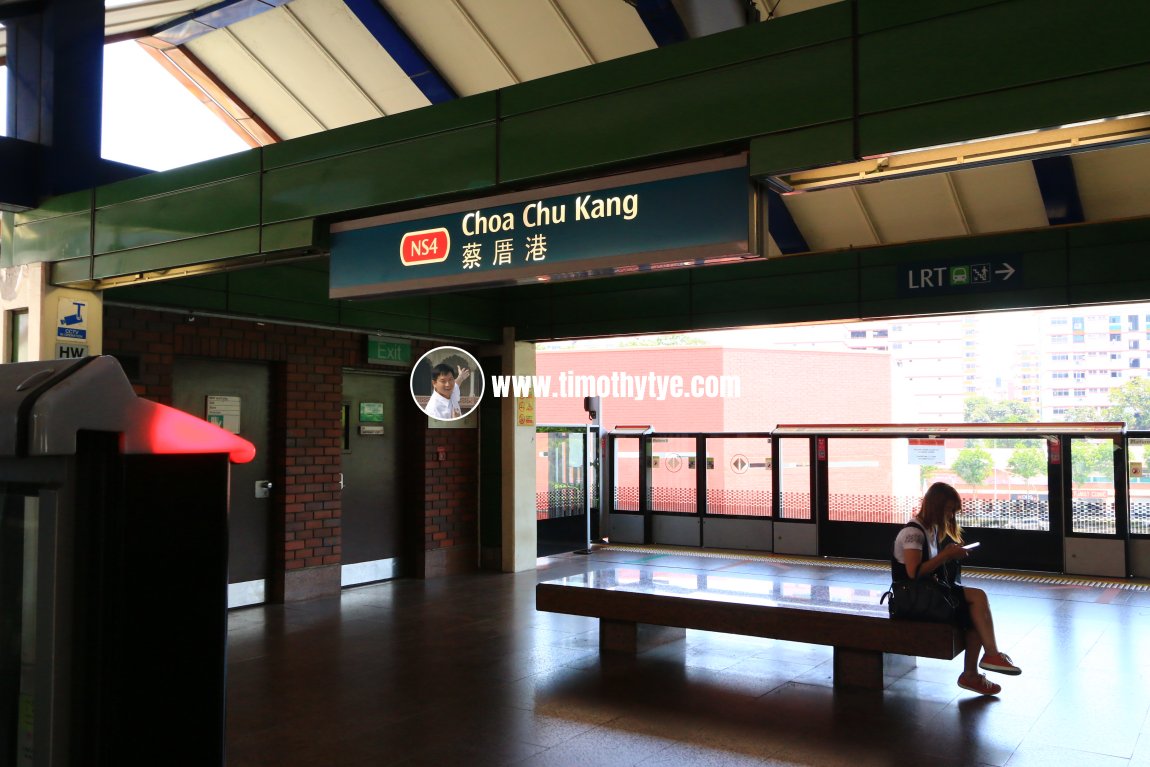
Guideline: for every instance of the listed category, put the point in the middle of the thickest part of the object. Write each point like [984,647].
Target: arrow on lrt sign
[953,278]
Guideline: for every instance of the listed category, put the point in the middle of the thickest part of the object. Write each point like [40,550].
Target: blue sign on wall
[683,216]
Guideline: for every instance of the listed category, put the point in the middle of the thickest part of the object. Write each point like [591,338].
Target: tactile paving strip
[973,572]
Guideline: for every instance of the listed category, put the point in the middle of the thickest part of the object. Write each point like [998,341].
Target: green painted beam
[404,172]
[1067,266]
[820,87]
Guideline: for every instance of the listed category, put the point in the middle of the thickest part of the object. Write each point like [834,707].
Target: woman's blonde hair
[939,498]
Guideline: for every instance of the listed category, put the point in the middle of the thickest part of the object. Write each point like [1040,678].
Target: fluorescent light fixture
[1028,145]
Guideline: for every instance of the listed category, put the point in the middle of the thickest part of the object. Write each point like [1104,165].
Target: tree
[978,408]
[925,474]
[981,409]
[1130,402]
[973,465]
[1083,414]
[1026,462]
[1091,459]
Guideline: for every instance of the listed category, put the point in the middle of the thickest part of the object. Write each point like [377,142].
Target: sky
[150,120]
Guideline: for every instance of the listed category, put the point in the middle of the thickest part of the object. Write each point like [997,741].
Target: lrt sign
[956,279]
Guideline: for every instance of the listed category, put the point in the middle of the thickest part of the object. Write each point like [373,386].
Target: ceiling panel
[131,18]
[1114,183]
[354,48]
[532,36]
[292,55]
[909,209]
[609,29]
[831,219]
[1000,198]
[254,85]
[449,38]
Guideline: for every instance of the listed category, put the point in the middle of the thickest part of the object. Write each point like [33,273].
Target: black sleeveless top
[949,573]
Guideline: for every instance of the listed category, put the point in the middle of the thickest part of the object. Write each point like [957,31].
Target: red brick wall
[446,536]
[440,497]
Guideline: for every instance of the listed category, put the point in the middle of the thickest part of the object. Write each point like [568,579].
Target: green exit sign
[381,352]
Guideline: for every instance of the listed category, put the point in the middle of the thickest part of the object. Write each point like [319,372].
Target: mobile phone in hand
[974,545]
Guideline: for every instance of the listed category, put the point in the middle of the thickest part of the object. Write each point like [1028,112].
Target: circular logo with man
[447,383]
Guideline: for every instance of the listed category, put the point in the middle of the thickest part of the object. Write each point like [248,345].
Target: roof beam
[662,21]
[387,32]
[19,166]
[1059,189]
[190,72]
[782,227]
[211,18]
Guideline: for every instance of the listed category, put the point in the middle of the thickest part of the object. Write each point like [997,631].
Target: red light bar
[165,430]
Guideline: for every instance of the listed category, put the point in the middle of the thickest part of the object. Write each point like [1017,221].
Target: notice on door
[224,412]
[926,452]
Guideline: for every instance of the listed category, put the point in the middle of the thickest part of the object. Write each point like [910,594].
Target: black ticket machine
[113,571]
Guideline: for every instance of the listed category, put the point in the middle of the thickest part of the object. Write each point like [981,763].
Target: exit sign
[381,352]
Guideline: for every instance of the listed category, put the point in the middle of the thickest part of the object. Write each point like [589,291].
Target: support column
[520,547]
[55,89]
[59,322]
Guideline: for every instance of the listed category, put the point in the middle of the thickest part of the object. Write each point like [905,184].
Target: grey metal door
[372,533]
[240,389]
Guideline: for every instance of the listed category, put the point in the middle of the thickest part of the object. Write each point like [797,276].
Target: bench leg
[631,637]
[866,668]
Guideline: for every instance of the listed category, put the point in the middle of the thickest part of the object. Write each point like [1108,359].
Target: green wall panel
[287,282]
[412,306]
[1000,46]
[446,328]
[770,292]
[821,25]
[304,234]
[803,148]
[52,239]
[1077,99]
[466,308]
[204,173]
[188,213]
[405,172]
[183,294]
[721,107]
[1110,263]
[738,318]
[216,247]
[876,15]
[297,311]
[70,271]
[63,205]
[352,315]
[452,115]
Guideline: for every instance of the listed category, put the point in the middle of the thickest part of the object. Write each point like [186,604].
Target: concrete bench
[639,607]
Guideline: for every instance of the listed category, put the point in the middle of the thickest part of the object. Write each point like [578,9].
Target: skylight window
[151,120]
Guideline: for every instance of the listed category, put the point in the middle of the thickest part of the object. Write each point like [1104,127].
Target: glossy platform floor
[463,671]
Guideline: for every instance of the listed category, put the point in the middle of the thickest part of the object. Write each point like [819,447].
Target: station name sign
[688,215]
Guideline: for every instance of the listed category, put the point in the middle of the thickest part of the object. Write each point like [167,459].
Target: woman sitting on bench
[917,553]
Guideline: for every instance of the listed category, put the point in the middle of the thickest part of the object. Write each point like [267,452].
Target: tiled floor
[464,671]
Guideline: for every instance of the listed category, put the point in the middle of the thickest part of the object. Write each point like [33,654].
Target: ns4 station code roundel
[429,246]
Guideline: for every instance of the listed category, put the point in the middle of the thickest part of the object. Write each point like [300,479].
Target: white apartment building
[1056,360]
[1086,354]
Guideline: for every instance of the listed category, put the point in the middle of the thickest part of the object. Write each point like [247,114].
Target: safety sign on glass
[224,412]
